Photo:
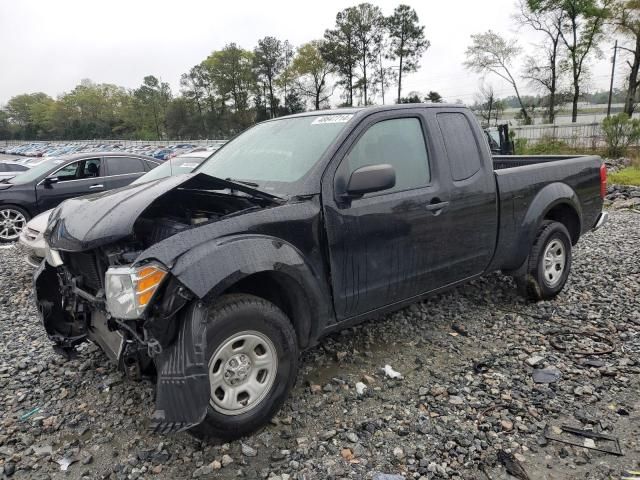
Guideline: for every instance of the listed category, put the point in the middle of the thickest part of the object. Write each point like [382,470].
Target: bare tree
[544,71]
[490,53]
[626,19]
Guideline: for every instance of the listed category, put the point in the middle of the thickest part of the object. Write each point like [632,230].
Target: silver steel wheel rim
[555,260]
[241,372]
[11,224]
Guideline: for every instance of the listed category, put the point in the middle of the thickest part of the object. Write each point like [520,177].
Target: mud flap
[182,394]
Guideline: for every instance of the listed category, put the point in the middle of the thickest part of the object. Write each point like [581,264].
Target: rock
[456,400]
[352,437]
[203,471]
[226,460]
[534,360]
[387,476]
[248,451]
[398,452]
[327,435]
[360,388]
[507,425]
[546,375]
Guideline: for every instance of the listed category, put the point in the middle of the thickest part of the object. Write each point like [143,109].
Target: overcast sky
[50,46]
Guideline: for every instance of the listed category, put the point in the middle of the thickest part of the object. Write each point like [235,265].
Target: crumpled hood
[94,220]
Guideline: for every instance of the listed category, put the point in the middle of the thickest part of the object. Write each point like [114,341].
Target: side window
[91,168]
[398,142]
[459,141]
[79,170]
[68,172]
[124,165]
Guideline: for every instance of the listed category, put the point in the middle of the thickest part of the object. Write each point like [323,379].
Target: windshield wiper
[244,182]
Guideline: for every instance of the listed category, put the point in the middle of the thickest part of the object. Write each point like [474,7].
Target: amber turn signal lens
[147,281]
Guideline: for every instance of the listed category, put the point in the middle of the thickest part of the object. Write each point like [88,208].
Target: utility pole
[613,70]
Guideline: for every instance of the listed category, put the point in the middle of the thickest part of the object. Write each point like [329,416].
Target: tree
[152,99]
[311,71]
[284,81]
[582,30]
[626,19]
[232,75]
[544,73]
[340,50]
[29,111]
[368,23]
[485,103]
[408,42]
[490,53]
[413,97]
[268,60]
[434,97]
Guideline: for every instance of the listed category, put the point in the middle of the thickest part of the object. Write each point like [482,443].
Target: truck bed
[522,183]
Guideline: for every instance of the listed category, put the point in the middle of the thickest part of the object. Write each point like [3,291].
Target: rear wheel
[252,356]
[12,221]
[549,263]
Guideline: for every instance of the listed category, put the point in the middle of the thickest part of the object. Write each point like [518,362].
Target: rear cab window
[464,155]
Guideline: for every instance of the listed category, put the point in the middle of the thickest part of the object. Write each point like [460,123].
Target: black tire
[229,316]
[15,209]
[537,284]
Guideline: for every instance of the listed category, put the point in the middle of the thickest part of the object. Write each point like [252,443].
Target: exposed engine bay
[182,209]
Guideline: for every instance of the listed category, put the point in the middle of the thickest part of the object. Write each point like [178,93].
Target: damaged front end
[103,289]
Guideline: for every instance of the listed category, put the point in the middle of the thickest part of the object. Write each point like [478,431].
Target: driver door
[73,180]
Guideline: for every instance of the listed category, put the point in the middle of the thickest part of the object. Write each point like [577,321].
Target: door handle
[96,186]
[436,206]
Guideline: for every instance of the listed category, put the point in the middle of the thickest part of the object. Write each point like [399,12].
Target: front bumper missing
[182,392]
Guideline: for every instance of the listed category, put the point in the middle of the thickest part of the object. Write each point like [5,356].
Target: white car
[32,239]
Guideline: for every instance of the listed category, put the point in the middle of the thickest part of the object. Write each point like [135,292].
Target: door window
[398,142]
[124,165]
[79,170]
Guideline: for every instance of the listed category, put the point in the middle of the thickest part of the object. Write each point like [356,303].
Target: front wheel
[12,221]
[549,263]
[252,356]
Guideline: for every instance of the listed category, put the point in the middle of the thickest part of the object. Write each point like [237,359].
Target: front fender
[210,268]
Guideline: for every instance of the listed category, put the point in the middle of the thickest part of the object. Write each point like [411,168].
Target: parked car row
[161,152]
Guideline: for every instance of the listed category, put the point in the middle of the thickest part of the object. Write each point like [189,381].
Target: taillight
[603,181]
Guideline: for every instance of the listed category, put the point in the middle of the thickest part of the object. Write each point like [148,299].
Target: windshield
[276,154]
[174,166]
[36,172]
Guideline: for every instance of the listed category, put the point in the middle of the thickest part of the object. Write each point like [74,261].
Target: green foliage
[619,132]
[626,176]
[310,71]
[434,97]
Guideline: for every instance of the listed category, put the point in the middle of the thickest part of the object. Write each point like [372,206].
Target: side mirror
[50,181]
[371,178]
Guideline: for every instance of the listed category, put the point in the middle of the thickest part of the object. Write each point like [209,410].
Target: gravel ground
[467,394]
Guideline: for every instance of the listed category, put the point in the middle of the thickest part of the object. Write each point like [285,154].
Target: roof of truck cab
[372,109]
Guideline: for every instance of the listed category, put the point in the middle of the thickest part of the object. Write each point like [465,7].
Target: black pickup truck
[302,225]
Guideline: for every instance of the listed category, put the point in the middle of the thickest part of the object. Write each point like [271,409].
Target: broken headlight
[129,290]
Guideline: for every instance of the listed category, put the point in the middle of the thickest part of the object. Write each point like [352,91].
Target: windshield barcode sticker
[332,119]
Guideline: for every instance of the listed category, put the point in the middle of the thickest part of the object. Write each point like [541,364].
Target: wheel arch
[264,266]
